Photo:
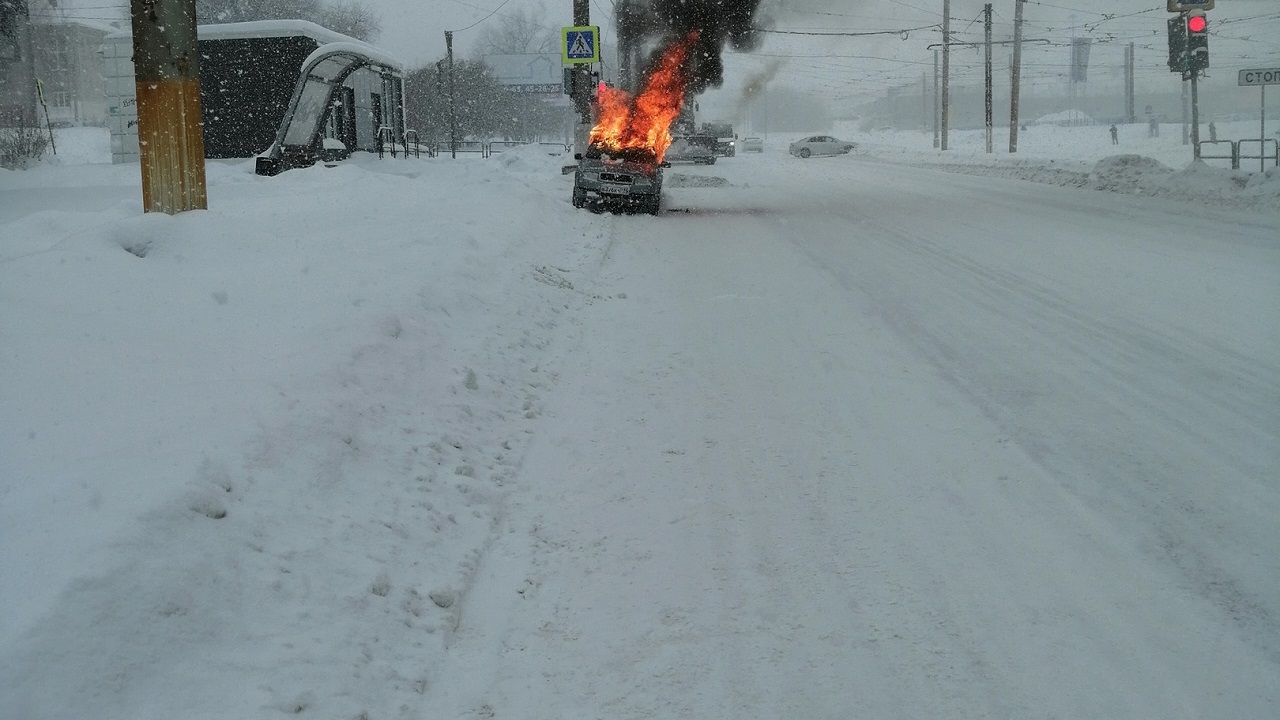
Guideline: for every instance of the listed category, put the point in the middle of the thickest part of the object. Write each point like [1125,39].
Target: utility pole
[946,70]
[1195,116]
[1016,79]
[166,62]
[924,101]
[990,122]
[582,79]
[1186,112]
[1130,100]
[453,112]
[623,21]
[936,94]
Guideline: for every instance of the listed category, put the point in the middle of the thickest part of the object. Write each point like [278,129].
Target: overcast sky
[1246,33]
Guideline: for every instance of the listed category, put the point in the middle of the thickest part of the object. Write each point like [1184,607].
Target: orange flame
[643,122]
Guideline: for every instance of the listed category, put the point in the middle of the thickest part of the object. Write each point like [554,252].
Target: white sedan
[821,145]
[752,144]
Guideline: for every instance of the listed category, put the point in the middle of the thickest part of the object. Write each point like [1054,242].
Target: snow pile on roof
[273,28]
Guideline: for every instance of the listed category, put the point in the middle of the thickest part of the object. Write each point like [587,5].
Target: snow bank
[1084,157]
[270,439]
[1130,174]
[533,159]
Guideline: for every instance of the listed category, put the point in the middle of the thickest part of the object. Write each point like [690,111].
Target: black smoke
[720,24]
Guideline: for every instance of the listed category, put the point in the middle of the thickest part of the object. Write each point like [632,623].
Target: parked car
[629,180]
[752,144]
[726,138]
[821,145]
[697,149]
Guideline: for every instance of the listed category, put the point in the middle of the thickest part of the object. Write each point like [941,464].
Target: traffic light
[1197,43]
[1177,44]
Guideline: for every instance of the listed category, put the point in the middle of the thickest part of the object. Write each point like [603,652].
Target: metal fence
[413,146]
[1237,151]
[1262,155]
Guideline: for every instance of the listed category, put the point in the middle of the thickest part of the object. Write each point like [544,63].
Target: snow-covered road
[867,441]
[837,438]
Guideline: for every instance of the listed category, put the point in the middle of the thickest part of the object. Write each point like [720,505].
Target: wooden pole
[990,121]
[582,71]
[166,61]
[946,70]
[453,113]
[1186,111]
[1131,112]
[924,101]
[1016,76]
[1195,115]
[582,82]
[937,116]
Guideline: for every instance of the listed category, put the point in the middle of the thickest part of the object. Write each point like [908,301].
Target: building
[17,96]
[44,52]
[249,73]
[540,80]
[68,67]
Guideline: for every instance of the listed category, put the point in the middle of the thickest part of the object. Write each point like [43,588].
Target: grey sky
[1246,33]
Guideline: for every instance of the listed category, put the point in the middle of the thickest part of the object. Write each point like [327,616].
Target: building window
[9,48]
[59,53]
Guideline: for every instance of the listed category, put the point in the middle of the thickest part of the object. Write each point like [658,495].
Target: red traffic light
[1197,23]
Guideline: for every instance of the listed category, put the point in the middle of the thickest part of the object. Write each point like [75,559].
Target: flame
[643,122]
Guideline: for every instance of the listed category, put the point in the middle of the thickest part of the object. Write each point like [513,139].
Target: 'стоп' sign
[1263,76]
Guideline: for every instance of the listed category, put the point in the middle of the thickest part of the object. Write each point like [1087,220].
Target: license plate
[614,189]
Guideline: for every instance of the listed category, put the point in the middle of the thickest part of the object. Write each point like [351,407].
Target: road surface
[852,439]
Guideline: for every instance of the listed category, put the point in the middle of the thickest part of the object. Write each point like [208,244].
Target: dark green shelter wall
[245,87]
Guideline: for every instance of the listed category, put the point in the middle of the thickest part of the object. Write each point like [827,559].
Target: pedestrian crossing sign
[580,45]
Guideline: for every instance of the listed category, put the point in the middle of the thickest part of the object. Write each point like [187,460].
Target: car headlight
[591,175]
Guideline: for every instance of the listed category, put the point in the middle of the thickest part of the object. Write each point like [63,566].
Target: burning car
[629,179]
[624,158]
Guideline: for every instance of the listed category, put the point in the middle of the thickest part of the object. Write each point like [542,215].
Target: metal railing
[498,146]
[412,143]
[411,137]
[1237,149]
[1262,157]
[387,138]
[1233,151]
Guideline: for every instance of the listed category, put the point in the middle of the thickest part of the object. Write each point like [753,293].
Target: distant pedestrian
[1115,135]
[1213,132]
[1153,128]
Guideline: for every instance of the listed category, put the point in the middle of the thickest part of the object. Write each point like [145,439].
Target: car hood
[627,166]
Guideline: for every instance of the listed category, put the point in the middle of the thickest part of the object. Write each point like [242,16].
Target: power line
[903,32]
[486,17]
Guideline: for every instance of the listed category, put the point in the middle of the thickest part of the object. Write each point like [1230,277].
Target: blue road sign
[580,45]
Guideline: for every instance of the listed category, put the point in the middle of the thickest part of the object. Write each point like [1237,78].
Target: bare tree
[352,17]
[226,11]
[523,31]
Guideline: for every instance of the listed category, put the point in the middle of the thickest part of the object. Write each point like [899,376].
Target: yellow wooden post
[166,63]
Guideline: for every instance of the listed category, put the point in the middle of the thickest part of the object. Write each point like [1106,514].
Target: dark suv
[628,180]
